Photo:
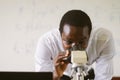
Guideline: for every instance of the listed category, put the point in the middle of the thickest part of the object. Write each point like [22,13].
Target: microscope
[79,60]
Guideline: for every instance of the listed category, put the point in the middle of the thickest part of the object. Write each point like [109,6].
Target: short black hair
[76,18]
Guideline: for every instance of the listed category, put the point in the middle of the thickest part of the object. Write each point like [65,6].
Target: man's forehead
[67,29]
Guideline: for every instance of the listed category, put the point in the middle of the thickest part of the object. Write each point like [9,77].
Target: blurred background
[22,22]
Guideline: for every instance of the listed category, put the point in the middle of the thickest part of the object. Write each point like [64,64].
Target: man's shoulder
[51,35]
[101,33]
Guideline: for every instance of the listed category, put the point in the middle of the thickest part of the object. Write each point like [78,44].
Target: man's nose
[75,46]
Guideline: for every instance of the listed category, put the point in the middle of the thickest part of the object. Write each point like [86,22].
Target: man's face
[75,36]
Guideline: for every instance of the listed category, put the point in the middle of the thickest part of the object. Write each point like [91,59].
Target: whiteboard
[22,22]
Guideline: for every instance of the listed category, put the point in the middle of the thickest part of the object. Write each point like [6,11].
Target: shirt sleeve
[104,63]
[43,56]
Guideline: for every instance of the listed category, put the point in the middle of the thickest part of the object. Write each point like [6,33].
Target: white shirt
[100,49]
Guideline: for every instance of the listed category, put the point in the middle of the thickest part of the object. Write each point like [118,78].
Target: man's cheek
[66,47]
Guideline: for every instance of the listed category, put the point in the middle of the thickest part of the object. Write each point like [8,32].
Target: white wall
[22,22]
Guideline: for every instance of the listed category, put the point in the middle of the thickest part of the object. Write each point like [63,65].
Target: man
[75,29]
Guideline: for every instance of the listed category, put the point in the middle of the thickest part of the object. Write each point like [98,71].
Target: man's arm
[104,64]
[44,63]
[43,57]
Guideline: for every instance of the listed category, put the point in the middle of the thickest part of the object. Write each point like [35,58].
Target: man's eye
[68,42]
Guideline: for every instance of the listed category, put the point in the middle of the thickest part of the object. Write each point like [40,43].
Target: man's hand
[60,64]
